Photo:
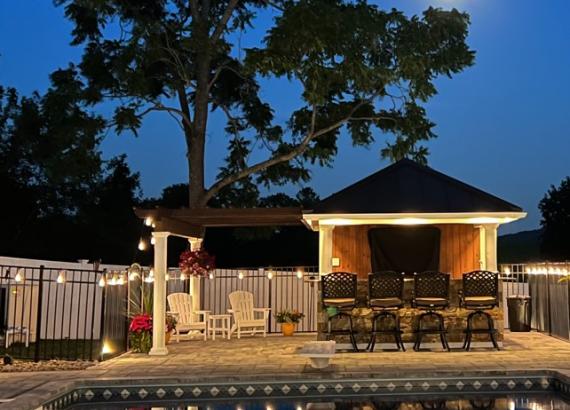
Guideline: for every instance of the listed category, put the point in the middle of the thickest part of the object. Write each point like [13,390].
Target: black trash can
[520,312]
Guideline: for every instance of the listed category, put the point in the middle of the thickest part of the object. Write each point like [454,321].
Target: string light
[149,279]
[133,276]
[102,281]
[113,280]
[152,240]
[300,274]
[240,275]
[166,276]
[148,221]
[61,277]
[211,275]
[270,275]
[19,275]
[121,280]
[182,276]
[142,245]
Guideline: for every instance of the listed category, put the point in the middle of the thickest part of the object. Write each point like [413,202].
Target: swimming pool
[499,391]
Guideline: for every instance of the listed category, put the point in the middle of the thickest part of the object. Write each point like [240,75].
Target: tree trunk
[196,148]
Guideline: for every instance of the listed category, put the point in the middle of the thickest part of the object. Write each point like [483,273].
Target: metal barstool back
[480,293]
[431,293]
[339,291]
[385,298]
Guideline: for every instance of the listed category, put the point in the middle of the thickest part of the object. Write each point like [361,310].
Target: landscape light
[106,349]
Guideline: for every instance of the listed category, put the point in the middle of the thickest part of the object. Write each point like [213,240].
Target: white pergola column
[488,246]
[325,248]
[159,294]
[195,244]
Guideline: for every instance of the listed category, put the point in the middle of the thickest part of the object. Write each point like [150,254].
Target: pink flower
[141,323]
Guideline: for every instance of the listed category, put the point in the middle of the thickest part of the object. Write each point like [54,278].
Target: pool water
[547,401]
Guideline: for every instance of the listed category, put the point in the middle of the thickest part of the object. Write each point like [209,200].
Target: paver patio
[275,357]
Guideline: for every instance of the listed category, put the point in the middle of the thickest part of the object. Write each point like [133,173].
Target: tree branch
[224,21]
[260,166]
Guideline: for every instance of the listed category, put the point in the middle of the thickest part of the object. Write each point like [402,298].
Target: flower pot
[288,329]
[167,337]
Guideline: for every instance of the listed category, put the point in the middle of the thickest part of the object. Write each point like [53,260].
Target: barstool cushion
[339,302]
[432,302]
[480,300]
[385,302]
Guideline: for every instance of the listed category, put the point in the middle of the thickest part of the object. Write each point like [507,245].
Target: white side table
[219,323]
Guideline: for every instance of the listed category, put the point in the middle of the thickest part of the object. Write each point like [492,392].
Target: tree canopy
[555,209]
[363,72]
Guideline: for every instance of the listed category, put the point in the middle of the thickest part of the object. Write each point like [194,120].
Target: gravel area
[45,366]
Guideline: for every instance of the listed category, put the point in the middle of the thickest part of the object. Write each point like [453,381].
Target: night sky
[502,124]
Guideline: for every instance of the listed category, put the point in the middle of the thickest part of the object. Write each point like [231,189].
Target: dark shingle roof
[407,187]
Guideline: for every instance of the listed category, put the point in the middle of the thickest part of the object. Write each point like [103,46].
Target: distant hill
[519,247]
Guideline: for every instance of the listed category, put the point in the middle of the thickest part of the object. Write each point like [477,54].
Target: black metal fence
[549,294]
[67,314]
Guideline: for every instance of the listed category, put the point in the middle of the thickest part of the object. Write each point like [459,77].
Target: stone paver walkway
[275,357]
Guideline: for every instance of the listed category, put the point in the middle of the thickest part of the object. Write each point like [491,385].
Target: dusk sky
[502,124]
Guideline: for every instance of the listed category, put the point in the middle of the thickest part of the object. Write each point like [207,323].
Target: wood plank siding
[459,249]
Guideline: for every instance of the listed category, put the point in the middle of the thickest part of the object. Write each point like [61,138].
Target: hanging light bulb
[152,240]
[299,273]
[114,278]
[211,275]
[61,277]
[270,275]
[103,281]
[148,221]
[19,275]
[240,275]
[142,245]
[182,276]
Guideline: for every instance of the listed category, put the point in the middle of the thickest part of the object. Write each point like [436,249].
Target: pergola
[191,224]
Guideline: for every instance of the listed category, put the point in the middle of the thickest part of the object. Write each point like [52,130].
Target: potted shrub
[140,333]
[170,327]
[288,320]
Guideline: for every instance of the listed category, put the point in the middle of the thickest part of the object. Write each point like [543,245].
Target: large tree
[555,209]
[362,72]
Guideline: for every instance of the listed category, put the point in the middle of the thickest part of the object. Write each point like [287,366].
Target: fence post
[39,315]
[102,321]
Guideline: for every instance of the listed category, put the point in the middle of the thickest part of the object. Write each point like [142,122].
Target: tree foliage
[363,72]
[555,209]
[61,199]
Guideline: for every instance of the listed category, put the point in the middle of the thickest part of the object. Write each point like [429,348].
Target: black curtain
[404,248]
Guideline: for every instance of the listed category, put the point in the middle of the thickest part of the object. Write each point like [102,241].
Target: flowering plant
[197,263]
[289,316]
[140,333]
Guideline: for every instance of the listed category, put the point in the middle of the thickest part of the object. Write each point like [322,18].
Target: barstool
[480,292]
[339,293]
[386,298]
[431,293]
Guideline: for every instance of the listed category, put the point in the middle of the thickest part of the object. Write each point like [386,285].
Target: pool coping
[306,385]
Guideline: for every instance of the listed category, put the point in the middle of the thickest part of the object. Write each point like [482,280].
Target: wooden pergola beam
[192,222]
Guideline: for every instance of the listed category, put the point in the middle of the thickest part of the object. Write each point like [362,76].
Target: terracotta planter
[167,336]
[288,329]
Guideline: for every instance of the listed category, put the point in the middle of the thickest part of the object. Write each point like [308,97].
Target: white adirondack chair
[188,320]
[247,318]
